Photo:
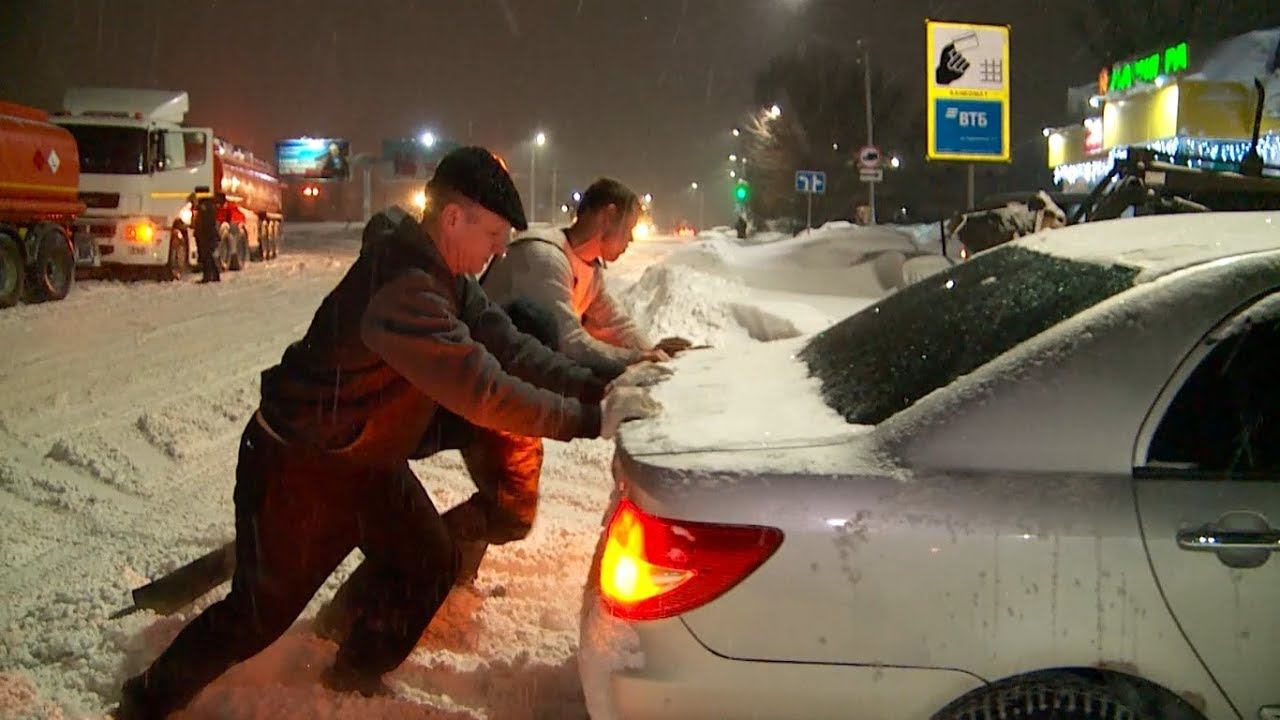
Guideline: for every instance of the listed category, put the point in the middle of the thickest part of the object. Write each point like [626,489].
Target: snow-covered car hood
[745,397]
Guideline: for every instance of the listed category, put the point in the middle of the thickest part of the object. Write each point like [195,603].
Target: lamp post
[866,69]
[538,141]
[695,188]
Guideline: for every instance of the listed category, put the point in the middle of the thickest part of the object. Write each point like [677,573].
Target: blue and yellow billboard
[968,91]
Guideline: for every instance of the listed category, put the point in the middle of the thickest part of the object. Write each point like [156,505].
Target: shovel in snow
[176,590]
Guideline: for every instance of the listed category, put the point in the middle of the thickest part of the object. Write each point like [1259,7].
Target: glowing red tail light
[655,568]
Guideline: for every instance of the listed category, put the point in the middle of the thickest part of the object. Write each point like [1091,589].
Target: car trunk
[876,566]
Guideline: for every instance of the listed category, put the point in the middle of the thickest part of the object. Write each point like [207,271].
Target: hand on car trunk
[673,345]
[623,404]
[642,374]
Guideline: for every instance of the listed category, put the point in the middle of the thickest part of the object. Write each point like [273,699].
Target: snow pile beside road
[838,259]
[705,309]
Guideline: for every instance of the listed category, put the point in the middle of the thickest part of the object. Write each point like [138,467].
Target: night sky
[644,91]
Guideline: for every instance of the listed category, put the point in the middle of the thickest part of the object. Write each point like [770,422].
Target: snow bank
[837,259]
[705,309]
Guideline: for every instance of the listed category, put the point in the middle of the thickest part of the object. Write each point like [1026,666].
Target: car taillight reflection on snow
[655,568]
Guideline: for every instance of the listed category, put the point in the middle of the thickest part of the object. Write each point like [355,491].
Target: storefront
[1199,111]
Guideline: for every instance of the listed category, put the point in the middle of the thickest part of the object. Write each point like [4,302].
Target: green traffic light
[741,192]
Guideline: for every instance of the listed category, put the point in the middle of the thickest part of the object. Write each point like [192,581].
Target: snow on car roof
[1162,244]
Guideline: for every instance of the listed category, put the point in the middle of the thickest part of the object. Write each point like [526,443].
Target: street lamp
[733,174]
[538,141]
[577,196]
[733,157]
[693,187]
[648,198]
[775,112]
[835,146]
[428,139]
[895,162]
[736,132]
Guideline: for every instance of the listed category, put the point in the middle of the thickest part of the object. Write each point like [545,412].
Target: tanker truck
[39,177]
[139,165]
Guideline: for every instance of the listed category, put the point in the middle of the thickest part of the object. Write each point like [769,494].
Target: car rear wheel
[54,271]
[1047,699]
[11,271]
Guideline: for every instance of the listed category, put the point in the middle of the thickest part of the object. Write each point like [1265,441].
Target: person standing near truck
[205,224]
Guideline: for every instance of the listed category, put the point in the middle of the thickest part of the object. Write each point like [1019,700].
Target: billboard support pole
[866,67]
[368,194]
[970,195]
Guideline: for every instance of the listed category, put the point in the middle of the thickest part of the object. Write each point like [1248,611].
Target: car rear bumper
[632,671]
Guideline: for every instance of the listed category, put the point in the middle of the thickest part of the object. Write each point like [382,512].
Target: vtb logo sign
[967,118]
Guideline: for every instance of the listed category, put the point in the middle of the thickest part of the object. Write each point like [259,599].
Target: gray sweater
[594,329]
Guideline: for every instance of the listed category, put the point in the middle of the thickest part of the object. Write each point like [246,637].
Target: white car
[1042,484]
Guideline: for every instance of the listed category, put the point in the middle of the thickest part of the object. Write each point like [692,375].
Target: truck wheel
[239,246]
[52,274]
[179,254]
[11,271]
[1045,699]
[222,253]
[259,253]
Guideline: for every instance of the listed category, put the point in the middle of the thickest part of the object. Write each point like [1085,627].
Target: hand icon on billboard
[951,66]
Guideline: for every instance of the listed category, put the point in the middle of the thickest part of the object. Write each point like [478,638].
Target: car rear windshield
[111,150]
[888,356]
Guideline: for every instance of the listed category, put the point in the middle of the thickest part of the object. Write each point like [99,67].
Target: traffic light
[741,191]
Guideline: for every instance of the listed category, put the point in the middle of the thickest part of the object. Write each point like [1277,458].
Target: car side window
[1225,420]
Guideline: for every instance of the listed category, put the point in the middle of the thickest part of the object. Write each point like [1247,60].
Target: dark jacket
[399,337]
[206,223]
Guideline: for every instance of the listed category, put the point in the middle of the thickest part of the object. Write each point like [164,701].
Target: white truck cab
[138,167]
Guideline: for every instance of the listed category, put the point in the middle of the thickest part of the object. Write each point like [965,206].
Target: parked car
[1044,483]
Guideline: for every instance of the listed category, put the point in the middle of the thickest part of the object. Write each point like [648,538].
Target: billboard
[322,158]
[968,90]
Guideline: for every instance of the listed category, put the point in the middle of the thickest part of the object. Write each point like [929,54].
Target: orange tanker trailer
[39,186]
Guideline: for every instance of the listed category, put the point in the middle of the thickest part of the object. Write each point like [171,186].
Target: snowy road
[118,431]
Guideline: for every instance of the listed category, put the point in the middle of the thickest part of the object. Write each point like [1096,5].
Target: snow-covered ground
[120,410]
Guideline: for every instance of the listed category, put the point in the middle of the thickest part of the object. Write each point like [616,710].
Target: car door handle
[1213,539]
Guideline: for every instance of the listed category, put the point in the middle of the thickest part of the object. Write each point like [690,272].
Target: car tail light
[655,568]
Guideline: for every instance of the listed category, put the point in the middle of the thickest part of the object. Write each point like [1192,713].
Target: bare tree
[820,89]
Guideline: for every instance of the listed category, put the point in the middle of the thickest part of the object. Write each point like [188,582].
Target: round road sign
[869,157]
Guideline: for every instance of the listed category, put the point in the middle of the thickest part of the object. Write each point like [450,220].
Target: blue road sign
[970,127]
[811,182]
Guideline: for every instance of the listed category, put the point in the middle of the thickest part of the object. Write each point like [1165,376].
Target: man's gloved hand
[623,404]
[654,355]
[673,345]
[642,374]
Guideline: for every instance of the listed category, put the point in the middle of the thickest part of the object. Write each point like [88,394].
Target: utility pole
[866,67]
[533,183]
